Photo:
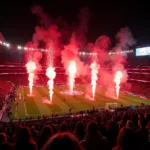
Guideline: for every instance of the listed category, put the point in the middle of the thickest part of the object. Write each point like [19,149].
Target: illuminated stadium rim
[8,45]
[135,69]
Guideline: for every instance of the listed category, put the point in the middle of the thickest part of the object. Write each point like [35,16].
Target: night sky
[17,23]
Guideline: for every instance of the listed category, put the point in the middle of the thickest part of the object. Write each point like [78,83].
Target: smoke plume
[125,38]
[82,29]
[44,19]
[46,32]
[101,47]
[70,53]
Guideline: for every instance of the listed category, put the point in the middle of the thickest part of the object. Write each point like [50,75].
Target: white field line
[24,103]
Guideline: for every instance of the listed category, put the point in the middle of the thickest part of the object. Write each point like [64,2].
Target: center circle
[75,92]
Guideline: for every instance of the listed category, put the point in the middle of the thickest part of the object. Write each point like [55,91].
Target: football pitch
[34,106]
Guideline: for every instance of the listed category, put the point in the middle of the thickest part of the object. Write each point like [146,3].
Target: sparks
[51,74]
[72,72]
[94,71]
[31,67]
[117,80]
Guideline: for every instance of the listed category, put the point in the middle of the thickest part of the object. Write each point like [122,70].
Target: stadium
[74,82]
[14,76]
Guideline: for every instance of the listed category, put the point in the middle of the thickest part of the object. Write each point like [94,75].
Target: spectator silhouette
[126,140]
[142,135]
[64,127]
[6,146]
[94,140]
[24,140]
[64,141]
[112,133]
[79,130]
[3,138]
[45,134]
[130,125]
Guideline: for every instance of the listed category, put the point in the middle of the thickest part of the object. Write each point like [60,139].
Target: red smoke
[101,47]
[48,31]
[70,53]
[114,62]
[125,38]
[82,28]
[45,20]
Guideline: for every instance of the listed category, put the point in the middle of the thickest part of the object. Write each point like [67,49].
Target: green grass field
[33,106]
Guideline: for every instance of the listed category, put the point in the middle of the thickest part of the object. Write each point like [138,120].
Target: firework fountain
[50,73]
[31,67]
[94,71]
[117,80]
[72,72]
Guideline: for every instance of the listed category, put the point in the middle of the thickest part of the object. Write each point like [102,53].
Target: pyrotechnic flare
[31,67]
[94,71]
[50,73]
[72,72]
[117,80]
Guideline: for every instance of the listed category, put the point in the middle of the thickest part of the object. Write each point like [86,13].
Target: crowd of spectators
[2,98]
[126,128]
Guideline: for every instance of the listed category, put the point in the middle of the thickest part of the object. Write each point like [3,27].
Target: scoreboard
[144,51]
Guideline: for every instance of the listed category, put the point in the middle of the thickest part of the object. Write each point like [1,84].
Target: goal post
[111,106]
